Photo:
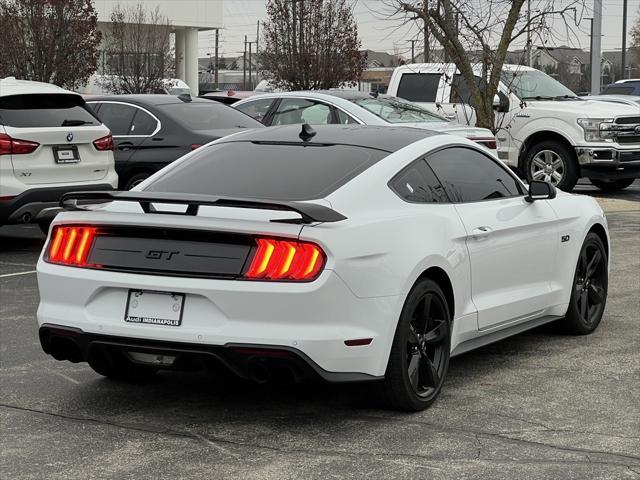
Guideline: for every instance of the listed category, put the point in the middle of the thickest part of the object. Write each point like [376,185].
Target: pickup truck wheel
[612,185]
[553,162]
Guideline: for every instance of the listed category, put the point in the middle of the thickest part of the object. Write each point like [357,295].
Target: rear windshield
[45,110]
[208,116]
[267,171]
[395,110]
[619,90]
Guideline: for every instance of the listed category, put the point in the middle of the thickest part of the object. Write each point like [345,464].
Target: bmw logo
[637,129]
[69,137]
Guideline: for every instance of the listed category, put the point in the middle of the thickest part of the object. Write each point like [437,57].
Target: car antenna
[307,133]
[185,97]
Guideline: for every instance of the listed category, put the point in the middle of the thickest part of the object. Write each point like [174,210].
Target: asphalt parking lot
[538,405]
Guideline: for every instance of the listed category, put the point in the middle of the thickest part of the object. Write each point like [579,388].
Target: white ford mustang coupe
[348,252]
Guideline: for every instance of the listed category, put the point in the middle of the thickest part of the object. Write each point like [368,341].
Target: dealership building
[187,17]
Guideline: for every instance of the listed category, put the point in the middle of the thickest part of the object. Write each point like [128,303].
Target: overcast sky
[241,16]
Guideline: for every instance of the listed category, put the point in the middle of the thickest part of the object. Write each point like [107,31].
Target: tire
[425,355]
[115,365]
[612,185]
[135,180]
[589,288]
[554,162]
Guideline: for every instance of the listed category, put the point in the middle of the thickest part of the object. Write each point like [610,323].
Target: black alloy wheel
[590,286]
[419,357]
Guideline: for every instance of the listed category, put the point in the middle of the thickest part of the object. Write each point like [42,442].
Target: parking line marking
[65,377]
[16,274]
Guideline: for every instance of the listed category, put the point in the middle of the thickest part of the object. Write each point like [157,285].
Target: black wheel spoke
[583,263]
[414,370]
[584,307]
[426,309]
[595,294]
[428,372]
[413,336]
[593,264]
[437,333]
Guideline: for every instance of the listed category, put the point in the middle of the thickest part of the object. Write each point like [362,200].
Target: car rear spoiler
[309,212]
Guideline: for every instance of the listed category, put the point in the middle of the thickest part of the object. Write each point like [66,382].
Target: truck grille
[629,156]
[626,130]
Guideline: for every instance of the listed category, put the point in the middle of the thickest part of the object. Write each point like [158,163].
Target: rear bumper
[73,344]
[313,319]
[24,207]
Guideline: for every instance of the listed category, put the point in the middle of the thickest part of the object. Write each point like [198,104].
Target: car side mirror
[500,102]
[540,190]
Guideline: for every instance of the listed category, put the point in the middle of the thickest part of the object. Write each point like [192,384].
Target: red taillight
[71,245]
[104,143]
[195,145]
[489,142]
[285,260]
[14,146]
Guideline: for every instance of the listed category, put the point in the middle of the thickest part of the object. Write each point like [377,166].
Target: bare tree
[634,48]
[53,42]
[479,32]
[139,55]
[311,44]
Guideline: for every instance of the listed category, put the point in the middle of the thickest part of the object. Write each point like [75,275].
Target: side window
[117,117]
[345,119]
[256,109]
[299,110]
[94,107]
[418,184]
[471,176]
[143,123]
[419,87]
[460,90]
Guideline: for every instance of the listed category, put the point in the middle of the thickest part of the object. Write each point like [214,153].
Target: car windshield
[532,84]
[619,90]
[206,115]
[267,170]
[394,110]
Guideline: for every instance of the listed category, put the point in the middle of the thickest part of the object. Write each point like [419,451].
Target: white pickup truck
[545,131]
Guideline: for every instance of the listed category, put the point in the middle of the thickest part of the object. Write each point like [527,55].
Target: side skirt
[497,335]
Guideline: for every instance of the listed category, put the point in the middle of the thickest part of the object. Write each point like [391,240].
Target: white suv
[50,143]
[544,130]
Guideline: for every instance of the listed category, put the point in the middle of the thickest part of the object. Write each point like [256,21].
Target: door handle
[450,116]
[482,232]
[125,145]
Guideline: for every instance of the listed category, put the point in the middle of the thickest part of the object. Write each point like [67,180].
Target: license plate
[66,154]
[155,308]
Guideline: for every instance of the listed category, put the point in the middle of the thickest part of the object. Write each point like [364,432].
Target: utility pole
[217,65]
[596,51]
[250,78]
[529,56]
[624,36]
[413,56]
[257,45]
[244,65]
[425,32]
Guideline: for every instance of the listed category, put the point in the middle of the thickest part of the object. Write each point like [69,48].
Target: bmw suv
[50,143]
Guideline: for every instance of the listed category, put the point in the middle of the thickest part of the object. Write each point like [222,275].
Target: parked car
[348,253]
[228,97]
[633,100]
[50,143]
[546,131]
[151,131]
[352,107]
[629,86]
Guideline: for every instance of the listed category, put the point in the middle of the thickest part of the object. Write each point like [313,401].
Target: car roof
[627,80]
[386,138]
[13,86]
[146,99]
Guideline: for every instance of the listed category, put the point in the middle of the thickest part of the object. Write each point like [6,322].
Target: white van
[545,131]
[50,143]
